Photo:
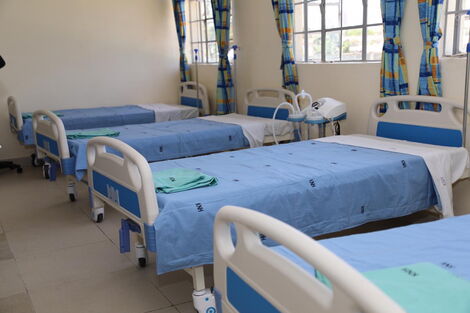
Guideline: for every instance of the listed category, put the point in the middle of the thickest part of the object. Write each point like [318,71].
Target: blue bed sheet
[315,187]
[169,140]
[444,243]
[93,118]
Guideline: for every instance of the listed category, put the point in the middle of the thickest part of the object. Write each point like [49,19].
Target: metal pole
[465,106]
[196,59]
[234,78]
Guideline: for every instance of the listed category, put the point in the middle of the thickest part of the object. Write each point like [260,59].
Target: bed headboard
[442,128]
[125,181]
[263,102]
[14,114]
[188,96]
[250,275]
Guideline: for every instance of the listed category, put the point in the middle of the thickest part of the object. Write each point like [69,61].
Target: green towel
[30,115]
[84,134]
[420,288]
[181,179]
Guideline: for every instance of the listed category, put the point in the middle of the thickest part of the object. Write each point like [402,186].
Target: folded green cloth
[30,115]
[420,288]
[83,134]
[181,179]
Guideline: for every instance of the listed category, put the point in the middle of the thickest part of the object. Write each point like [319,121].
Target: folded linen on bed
[171,112]
[253,130]
[90,133]
[181,179]
[445,164]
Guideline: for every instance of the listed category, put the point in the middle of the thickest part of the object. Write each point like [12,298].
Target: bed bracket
[127,226]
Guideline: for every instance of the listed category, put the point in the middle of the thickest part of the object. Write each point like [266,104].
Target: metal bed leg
[97,208]
[71,188]
[203,298]
[140,251]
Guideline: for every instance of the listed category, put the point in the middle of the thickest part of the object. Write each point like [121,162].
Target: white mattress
[171,112]
[254,128]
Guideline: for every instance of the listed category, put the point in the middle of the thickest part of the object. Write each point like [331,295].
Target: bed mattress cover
[315,187]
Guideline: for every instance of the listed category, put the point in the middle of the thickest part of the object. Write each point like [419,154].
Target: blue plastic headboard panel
[117,193]
[423,134]
[267,112]
[47,143]
[244,298]
[192,102]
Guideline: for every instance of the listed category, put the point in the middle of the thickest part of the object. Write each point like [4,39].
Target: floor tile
[19,303]
[5,251]
[119,292]
[167,310]
[10,279]
[186,307]
[69,264]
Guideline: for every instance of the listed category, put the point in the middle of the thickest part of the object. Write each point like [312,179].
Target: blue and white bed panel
[115,115]
[250,277]
[442,128]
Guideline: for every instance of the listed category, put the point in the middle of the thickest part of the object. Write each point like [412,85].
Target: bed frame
[262,102]
[187,93]
[251,275]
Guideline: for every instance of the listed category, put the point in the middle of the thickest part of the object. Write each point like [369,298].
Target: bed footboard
[50,136]
[188,93]
[251,274]
[124,183]
[15,117]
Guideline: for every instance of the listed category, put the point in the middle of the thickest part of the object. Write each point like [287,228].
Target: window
[202,32]
[338,30]
[456,27]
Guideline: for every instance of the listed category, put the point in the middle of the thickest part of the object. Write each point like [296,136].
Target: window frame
[323,31]
[458,13]
[203,53]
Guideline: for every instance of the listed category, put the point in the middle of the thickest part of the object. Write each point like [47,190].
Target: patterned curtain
[393,73]
[284,14]
[180,21]
[225,91]
[430,70]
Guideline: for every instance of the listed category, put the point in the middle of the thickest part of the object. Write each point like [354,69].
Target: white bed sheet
[171,112]
[255,128]
[445,164]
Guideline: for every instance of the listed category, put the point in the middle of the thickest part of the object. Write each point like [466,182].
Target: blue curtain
[225,91]
[430,69]
[180,21]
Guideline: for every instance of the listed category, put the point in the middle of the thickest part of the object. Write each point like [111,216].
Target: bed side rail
[124,182]
[262,102]
[277,280]
[188,96]
[50,135]
[441,128]
[14,114]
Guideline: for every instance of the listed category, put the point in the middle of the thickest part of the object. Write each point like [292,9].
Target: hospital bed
[190,107]
[326,186]
[166,140]
[290,277]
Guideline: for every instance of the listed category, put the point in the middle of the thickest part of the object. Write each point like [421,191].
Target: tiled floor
[54,259]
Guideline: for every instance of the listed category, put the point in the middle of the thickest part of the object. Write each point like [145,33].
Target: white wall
[83,53]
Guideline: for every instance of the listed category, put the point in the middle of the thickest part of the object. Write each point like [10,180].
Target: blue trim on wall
[117,193]
[423,134]
[244,298]
[48,144]
[192,102]
[267,112]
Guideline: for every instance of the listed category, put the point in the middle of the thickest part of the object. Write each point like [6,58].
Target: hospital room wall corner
[95,53]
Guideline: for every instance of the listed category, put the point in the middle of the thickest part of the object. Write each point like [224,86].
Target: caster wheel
[46,171]
[142,262]
[19,170]
[99,219]
[72,197]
